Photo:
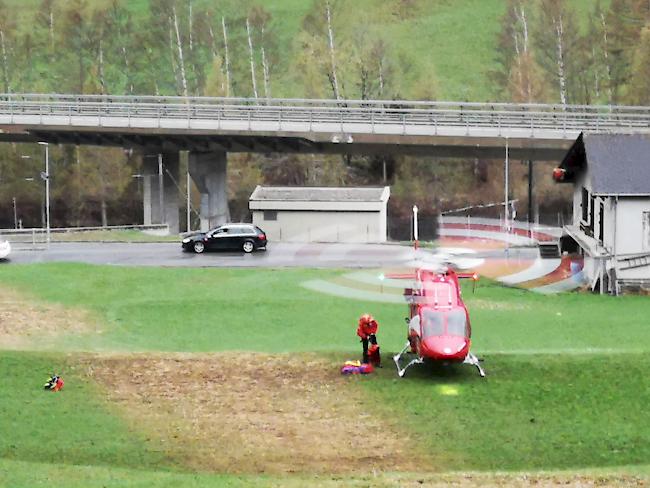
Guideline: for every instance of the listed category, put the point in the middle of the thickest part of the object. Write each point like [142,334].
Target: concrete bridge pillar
[209,172]
[160,171]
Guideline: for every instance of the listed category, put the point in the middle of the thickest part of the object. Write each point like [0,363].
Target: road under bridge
[210,128]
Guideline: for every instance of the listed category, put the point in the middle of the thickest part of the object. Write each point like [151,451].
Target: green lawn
[111,236]
[533,412]
[197,310]
[567,387]
[71,428]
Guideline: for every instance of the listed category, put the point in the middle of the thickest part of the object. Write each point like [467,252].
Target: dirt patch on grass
[24,320]
[462,480]
[255,413]
[489,480]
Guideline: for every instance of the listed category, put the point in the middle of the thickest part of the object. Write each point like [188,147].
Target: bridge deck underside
[451,142]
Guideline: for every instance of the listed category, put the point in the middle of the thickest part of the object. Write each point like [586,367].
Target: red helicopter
[439,328]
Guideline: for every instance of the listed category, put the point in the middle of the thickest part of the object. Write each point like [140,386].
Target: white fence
[37,237]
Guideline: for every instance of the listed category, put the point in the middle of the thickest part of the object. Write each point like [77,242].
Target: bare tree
[330,36]
[558,27]
[51,25]
[179,45]
[265,67]
[558,52]
[520,13]
[102,77]
[252,58]
[605,49]
[122,32]
[6,30]
[227,59]
[215,53]
[189,22]
[5,61]
[172,56]
[259,18]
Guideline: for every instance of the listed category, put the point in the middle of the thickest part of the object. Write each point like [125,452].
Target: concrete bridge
[209,128]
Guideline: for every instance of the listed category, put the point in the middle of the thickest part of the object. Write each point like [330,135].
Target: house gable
[613,164]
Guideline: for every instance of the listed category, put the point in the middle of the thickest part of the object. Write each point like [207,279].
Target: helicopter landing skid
[397,357]
[474,361]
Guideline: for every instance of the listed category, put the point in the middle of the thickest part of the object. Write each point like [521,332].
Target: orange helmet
[365,319]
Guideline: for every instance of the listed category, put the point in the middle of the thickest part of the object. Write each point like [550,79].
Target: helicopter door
[432,323]
[457,323]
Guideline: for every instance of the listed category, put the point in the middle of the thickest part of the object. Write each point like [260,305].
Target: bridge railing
[368,112]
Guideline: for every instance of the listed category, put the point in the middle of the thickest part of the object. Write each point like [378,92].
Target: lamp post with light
[415,226]
[15,213]
[46,176]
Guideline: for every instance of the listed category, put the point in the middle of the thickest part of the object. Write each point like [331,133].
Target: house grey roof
[616,164]
[319,194]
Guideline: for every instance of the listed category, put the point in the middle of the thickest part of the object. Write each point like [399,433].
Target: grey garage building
[321,214]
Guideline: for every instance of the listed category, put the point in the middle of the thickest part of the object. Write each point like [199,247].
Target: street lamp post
[415,226]
[46,177]
[15,213]
[188,203]
[161,188]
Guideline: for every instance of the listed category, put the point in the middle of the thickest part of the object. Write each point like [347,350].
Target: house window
[646,230]
[585,205]
[592,208]
[270,215]
[601,223]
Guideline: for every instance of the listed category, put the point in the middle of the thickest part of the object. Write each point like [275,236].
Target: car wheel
[199,247]
[248,246]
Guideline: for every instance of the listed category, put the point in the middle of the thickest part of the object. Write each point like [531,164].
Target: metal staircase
[634,261]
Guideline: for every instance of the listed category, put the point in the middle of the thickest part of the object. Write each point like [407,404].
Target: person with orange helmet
[367,331]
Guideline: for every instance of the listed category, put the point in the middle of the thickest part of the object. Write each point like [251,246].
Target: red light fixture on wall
[559,174]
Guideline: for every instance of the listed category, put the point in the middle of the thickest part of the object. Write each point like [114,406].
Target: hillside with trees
[557,51]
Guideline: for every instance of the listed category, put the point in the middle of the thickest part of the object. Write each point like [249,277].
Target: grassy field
[110,236]
[201,310]
[566,386]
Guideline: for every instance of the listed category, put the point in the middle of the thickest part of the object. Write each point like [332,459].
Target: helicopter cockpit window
[457,323]
[432,323]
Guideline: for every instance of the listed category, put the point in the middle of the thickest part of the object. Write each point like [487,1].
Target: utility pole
[188,201]
[530,191]
[46,177]
[161,189]
[506,184]
[15,213]
[415,226]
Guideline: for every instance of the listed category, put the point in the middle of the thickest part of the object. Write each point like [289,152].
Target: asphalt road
[277,255]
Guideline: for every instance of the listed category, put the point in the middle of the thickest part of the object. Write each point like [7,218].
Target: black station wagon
[227,237]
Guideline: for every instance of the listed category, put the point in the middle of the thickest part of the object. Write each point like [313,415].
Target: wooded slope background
[560,51]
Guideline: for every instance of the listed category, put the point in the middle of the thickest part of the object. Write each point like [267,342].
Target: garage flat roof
[319,198]
[320,194]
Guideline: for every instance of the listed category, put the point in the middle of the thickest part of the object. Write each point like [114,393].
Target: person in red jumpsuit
[367,331]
